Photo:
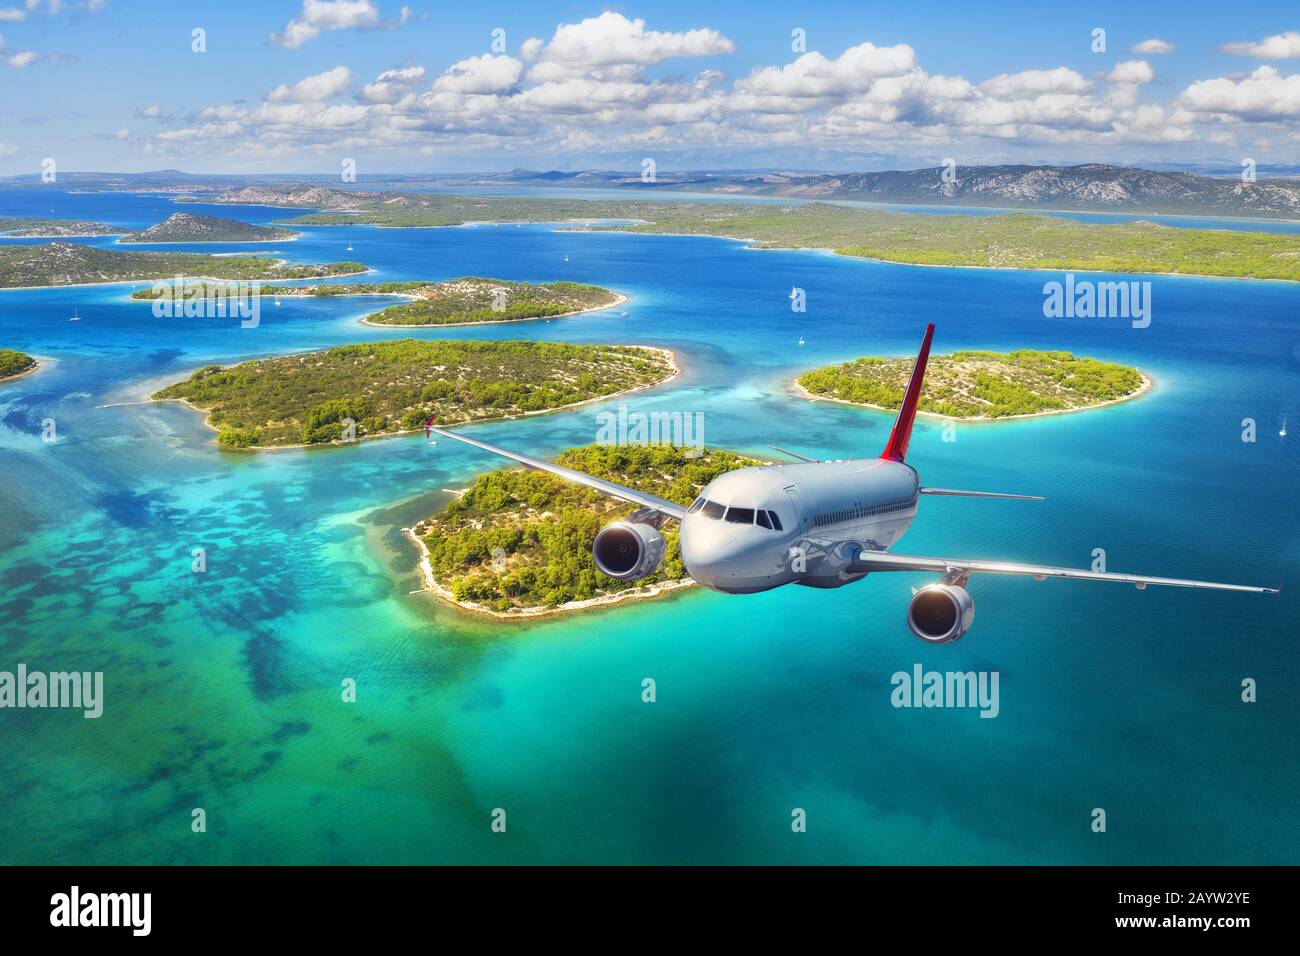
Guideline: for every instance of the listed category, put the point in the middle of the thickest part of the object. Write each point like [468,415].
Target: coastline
[619,300]
[429,584]
[1147,386]
[85,285]
[671,356]
[36,366]
[762,245]
[69,235]
[199,242]
[776,200]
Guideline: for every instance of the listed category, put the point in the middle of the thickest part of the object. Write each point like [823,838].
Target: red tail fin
[896,449]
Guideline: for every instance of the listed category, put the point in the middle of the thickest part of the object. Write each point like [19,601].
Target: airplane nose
[706,548]
[694,556]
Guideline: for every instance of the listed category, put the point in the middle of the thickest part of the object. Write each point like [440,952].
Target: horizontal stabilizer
[955,493]
[794,454]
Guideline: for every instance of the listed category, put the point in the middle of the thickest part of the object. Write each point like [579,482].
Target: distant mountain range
[1093,187]
[1089,187]
[298,195]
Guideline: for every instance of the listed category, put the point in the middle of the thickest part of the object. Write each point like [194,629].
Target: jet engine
[628,551]
[940,613]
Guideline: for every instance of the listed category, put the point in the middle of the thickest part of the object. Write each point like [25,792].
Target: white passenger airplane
[822,524]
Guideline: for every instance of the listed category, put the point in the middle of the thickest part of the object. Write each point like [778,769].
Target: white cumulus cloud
[612,39]
[313,89]
[1264,95]
[1280,46]
[318,15]
[1132,71]
[391,85]
[488,73]
[1153,47]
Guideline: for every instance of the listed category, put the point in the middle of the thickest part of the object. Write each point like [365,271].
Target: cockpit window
[696,505]
[712,510]
[776,522]
[760,517]
[740,515]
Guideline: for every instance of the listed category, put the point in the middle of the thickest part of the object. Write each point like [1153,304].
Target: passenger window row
[759,516]
[859,511]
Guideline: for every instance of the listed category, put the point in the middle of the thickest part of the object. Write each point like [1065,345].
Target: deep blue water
[222,689]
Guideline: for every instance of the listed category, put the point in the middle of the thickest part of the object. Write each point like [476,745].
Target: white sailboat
[1282,433]
[349,247]
[801,340]
[76,317]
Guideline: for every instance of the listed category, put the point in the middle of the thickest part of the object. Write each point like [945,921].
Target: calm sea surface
[222,690]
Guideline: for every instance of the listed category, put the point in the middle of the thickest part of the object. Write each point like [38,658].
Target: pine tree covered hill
[521,539]
[473,299]
[389,387]
[14,363]
[188,227]
[466,300]
[70,263]
[980,384]
[18,227]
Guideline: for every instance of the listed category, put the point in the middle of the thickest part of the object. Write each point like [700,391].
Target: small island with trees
[13,364]
[70,263]
[977,385]
[386,388]
[469,300]
[178,227]
[14,227]
[187,227]
[517,543]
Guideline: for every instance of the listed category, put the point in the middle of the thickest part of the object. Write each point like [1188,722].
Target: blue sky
[298,86]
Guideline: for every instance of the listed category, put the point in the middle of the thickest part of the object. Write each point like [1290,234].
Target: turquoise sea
[222,690]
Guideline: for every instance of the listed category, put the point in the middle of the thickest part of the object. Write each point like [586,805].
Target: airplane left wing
[869,561]
[663,506]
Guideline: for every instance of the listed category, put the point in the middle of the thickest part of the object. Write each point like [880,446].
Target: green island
[187,227]
[519,541]
[14,363]
[20,228]
[69,263]
[464,301]
[208,290]
[390,387]
[1007,241]
[981,385]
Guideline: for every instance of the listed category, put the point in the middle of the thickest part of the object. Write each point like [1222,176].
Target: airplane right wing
[869,561]
[663,506]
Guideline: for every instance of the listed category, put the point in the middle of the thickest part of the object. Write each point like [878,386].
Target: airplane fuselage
[754,529]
